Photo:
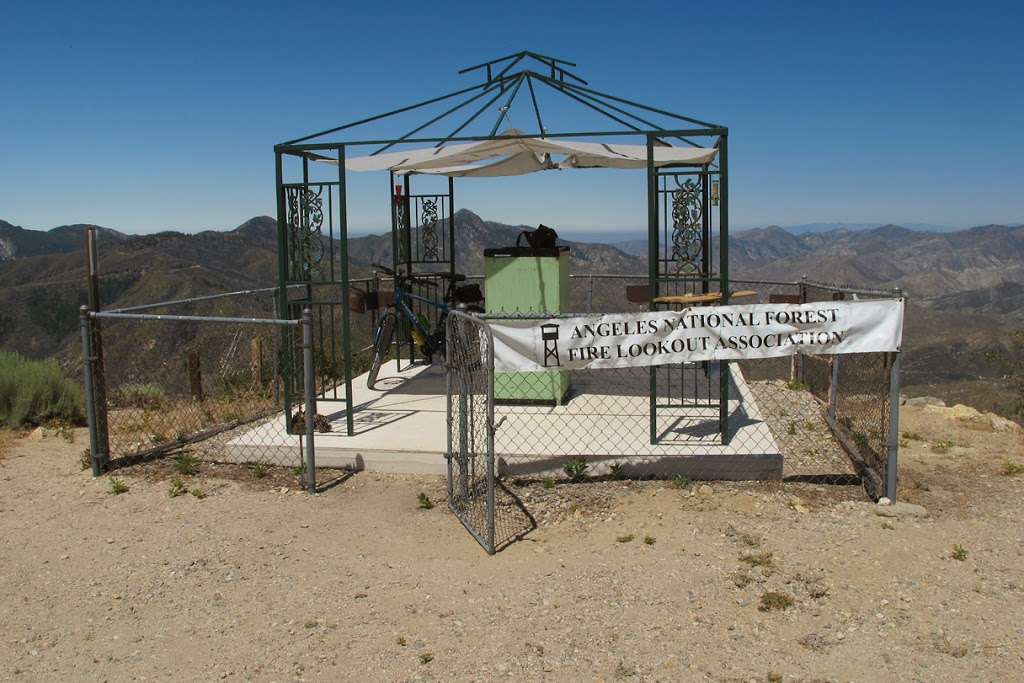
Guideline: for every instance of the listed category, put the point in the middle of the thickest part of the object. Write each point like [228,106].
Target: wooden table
[702,299]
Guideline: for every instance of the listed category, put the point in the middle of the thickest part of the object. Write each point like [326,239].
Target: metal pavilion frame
[300,210]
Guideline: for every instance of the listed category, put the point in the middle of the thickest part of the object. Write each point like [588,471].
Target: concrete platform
[401,427]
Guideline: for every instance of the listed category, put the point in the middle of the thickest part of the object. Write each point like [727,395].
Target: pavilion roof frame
[629,114]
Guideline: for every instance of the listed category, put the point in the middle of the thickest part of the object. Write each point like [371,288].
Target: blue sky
[147,116]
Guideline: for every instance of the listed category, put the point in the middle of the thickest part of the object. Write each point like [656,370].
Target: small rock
[1001,424]
[705,490]
[926,401]
[814,641]
[962,412]
[884,501]
[901,510]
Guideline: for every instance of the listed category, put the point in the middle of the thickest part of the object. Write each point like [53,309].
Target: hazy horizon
[580,235]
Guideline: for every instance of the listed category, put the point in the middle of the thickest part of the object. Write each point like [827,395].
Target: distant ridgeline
[963,328]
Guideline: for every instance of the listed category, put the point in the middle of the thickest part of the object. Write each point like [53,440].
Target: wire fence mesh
[206,389]
[803,418]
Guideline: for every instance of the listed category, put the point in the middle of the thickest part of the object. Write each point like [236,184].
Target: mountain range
[964,328]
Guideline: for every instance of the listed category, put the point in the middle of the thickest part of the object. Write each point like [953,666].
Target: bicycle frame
[400,304]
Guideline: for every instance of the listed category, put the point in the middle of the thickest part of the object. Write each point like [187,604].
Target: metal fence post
[99,380]
[449,368]
[491,428]
[310,396]
[798,359]
[892,460]
[90,391]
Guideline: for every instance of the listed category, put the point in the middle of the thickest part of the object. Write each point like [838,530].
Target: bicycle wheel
[381,343]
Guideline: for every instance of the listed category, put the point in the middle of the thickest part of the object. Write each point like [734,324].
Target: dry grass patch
[765,560]
[1011,468]
[774,601]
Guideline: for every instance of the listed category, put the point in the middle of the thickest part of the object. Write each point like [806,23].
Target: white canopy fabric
[518,156]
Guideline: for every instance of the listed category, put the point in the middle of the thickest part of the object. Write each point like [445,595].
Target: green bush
[576,469]
[34,392]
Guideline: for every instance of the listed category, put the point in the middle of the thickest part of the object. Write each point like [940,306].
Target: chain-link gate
[469,356]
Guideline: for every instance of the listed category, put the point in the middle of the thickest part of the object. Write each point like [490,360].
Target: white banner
[620,340]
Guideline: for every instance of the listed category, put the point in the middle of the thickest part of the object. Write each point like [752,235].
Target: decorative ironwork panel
[425,230]
[687,227]
[305,230]
[402,226]
[428,230]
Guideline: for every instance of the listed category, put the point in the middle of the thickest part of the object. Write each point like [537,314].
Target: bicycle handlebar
[408,278]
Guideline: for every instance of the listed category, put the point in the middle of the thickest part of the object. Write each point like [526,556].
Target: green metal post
[346,339]
[407,202]
[705,231]
[282,287]
[652,273]
[723,274]
[307,258]
[451,225]
[393,200]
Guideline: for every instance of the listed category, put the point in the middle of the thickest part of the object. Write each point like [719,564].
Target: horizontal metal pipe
[207,297]
[849,290]
[323,283]
[331,183]
[195,319]
[696,132]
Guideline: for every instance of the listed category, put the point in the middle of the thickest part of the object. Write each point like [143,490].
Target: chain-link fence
[861,395]
[206,379]
[202,380]
[802,418]
[851,393]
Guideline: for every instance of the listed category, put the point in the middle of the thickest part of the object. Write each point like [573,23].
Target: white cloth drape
[517,156]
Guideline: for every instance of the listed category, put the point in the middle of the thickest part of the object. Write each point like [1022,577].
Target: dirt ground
[620,581]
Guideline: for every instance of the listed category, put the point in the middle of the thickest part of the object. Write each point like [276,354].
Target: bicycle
[429,342]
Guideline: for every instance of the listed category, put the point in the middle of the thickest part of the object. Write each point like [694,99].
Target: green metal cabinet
[528,280]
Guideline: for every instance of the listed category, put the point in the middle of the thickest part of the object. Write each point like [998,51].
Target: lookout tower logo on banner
[549,335]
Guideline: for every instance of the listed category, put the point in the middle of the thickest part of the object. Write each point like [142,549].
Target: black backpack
[541,238]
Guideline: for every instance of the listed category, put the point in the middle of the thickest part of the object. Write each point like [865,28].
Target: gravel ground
[797,422]
[619,581]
